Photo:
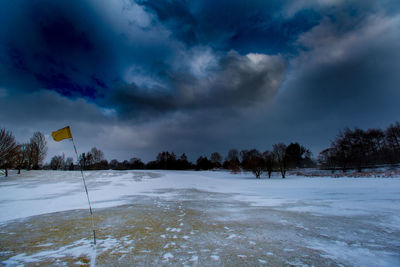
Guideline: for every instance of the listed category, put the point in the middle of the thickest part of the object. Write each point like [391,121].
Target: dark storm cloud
[349,71]
[228,81]
[55,46]
[245,26]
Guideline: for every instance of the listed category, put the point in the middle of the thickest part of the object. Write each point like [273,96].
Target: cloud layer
[137,77]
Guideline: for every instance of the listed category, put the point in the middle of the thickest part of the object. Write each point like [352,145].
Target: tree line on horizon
[281,158]
[351,149]
[359,149]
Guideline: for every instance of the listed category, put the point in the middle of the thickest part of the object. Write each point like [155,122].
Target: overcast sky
[134,78]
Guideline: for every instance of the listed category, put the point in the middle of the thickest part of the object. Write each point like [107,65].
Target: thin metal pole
[87,193]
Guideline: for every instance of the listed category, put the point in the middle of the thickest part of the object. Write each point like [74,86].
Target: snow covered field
[172,218]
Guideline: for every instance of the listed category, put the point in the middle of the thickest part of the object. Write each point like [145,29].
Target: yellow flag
[62,134]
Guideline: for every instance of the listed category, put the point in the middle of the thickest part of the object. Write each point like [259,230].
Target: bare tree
[281,157]
[166,160]
[376,145]
[89,159]
[114,164]
[216,159]
[69,164]
[136,163]
[37,150]
[269,159]
[342,144]
[97,154]
[183,163]
[21,157]
[353,149]
[392,135]
[203,163]
[232,161]
[8,149]
[82,160]
[233,154]
[327,158]
[296,155]
[57,162]
[253,161]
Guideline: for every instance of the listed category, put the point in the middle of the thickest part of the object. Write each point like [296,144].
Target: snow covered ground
[199,218]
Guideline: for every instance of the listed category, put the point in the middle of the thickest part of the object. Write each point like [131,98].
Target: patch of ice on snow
[75,249]
[194,258]
[214,257]
[231,236]
[168,256]
[338,250]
